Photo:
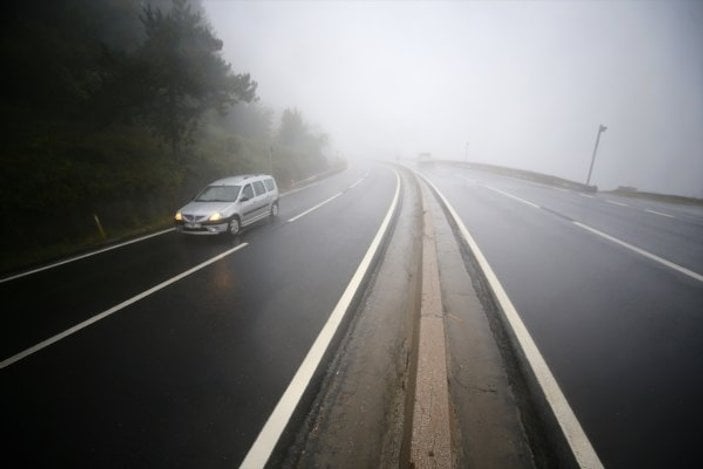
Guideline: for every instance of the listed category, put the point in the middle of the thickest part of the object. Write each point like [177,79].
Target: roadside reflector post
[100,226]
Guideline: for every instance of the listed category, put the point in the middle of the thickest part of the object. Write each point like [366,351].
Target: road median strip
[430,444]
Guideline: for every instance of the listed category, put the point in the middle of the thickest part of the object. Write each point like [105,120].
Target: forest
[116,112]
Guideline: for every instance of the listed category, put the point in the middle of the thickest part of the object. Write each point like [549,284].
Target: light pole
[601,129]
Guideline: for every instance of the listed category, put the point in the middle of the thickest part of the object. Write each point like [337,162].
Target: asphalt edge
[286,439]
[564,433]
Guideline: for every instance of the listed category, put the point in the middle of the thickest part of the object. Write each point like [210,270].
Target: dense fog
[522,84]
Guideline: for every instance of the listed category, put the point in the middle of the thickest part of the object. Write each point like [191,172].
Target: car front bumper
[202,228]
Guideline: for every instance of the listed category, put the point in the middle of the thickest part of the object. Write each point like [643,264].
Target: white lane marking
[642,252]
[587,195]
[293,191]
[512,196]
[579,443]
[659,213]
[83,256]
[265,443]
[562,189]
[311,184]
[469,180]
[15,358]
[614,202]
[315,207]
[357,182]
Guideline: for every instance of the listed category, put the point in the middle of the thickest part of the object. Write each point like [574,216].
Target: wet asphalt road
[188,375]
[622,334]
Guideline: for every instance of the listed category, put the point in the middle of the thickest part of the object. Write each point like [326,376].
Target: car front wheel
[274,210]
[234,226]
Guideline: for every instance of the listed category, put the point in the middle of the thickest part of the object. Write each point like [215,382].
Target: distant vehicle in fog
[228,205]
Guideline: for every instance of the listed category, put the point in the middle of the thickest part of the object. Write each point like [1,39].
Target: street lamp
[601,129]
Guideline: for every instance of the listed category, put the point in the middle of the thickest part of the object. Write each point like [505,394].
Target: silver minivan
[227,205]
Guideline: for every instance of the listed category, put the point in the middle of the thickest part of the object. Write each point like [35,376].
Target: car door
[247,204]
[262,206]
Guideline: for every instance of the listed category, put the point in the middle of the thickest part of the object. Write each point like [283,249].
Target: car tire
[274,211]
[234,227]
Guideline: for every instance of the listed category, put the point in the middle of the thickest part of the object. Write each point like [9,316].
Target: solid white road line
[315,207]
[642,252]
[579,443]
[512,196]
[15,358]
[265,443]
[659,213]
[83,256]
[614,202]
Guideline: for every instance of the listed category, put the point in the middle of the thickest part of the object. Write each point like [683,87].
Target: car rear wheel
[234,226]
[274,210]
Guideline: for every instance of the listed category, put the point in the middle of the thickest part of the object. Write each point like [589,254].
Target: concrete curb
[430,444]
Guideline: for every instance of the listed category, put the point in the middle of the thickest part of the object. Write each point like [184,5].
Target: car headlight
[215,216]
[179,217]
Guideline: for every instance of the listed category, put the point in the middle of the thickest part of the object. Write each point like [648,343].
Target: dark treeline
[123,109]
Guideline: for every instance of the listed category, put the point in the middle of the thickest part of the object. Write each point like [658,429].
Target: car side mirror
[244,198]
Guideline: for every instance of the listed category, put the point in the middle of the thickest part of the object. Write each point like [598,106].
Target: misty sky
[525,84]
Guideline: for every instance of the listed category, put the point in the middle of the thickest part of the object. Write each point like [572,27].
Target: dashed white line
[291,220]
[512,196]
[42,345]
[327,200]
[266,441]
[587,195]
[294,191]
[357,183]
[659,213]
[83,256]
[642,252]
[647,254]
[576,438]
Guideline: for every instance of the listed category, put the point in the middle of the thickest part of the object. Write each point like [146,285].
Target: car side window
[259,187]
[248,192]
[269,184]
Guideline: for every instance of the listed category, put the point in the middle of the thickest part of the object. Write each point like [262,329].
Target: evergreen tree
[185,74]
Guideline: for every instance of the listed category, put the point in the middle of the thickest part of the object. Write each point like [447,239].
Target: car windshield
[218,194]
